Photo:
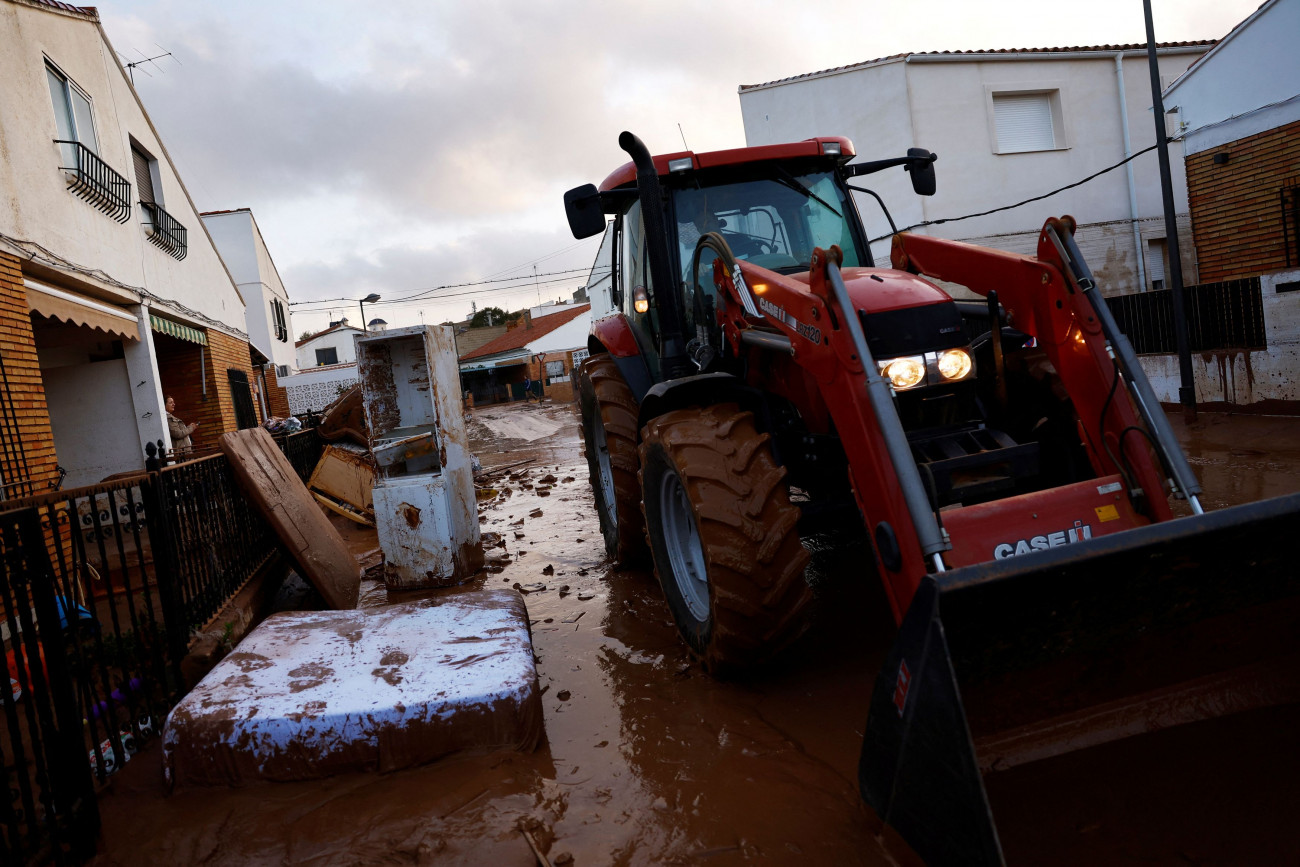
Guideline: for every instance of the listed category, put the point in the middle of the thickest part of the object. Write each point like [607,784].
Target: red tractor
[1007,459]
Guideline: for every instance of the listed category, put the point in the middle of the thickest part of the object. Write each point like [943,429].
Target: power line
[419,294]
[1090,177]
[518,287]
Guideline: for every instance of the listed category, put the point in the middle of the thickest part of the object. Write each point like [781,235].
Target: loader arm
[1043,302]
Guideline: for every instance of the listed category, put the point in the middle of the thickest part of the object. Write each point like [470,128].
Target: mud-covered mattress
[311,694]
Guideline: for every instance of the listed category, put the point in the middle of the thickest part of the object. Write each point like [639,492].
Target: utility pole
[538,286]
[1187,387]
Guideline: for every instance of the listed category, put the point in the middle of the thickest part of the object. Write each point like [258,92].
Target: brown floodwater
[647,760]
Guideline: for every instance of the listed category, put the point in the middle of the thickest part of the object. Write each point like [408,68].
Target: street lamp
[369,299]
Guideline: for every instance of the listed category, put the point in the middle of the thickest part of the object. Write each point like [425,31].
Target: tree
[306,335]
[488,316]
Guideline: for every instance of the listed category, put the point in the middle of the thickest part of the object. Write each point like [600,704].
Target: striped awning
[175,329]
[74,309]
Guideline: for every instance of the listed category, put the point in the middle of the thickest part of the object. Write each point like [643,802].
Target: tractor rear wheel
[723,534]
[609,417]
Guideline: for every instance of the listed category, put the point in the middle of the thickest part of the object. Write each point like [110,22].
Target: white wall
[341,340]
[1237,376]
[570,335]
[945,106]
[240,243]
[95,433]
[317,389]
[34,202]
[1254,66]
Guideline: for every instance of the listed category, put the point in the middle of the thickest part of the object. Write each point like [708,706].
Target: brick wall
[23,386]
[561,392]
[182,378]
[277,396]
[1236,206]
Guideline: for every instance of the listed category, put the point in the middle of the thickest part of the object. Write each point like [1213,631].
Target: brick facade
[178,368]
[1236,206]
[277,396]
[24,389]
[560,392]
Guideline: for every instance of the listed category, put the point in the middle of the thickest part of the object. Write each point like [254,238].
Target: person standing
[179,430]
[528,388]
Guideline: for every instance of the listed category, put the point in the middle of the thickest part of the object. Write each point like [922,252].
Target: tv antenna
[132,64]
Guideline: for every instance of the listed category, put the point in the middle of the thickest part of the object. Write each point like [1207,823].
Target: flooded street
[647,760]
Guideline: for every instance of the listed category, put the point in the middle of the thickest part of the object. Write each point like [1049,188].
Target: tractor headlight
[640,300]
[954,364]
[904,372]
[932,368]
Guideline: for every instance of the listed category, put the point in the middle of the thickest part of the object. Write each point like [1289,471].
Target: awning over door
[175,329]
[76,310]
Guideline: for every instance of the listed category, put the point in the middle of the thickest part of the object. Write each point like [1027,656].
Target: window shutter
[143,177]
[1156,260]
[1024,122]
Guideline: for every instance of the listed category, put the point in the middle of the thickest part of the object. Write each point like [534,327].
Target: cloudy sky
[404,146]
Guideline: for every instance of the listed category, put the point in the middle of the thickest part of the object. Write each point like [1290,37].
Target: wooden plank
[315,546]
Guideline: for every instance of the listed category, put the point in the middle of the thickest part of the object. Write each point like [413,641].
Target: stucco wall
[241,246]
[94,426]
[35,204]
[1262,380]
[946,107]
[341,341]
[1252,67]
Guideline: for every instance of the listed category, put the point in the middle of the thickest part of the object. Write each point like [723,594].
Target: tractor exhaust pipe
[672,343]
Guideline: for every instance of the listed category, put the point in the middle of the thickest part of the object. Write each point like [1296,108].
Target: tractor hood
[880,290]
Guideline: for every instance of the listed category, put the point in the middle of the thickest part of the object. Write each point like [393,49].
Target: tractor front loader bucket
[1021,659]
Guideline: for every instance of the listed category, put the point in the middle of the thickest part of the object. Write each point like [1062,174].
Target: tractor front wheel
[609,417]
[723,535]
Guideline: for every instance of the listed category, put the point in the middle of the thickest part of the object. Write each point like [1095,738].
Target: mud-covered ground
[649,761]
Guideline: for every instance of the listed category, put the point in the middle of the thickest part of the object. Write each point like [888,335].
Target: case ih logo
[901,686]
[1078,533]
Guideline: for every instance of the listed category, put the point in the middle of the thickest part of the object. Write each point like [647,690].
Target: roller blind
[1024,122]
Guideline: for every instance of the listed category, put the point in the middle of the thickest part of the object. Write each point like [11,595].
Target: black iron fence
[1226,315]
[101,590]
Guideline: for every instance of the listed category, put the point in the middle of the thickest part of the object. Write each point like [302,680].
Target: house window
[1156,263]
[555,372]
[279,322]
[1026,121]
[146,175]
[72,117]
[281,371]
[327,356]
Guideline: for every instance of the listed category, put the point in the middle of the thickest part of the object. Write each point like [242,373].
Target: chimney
[528,319]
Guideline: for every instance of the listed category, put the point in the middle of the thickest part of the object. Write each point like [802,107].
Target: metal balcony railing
[91,179]
[164,230]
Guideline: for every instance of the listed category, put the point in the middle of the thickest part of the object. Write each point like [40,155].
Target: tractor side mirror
[582,207]
[920,163]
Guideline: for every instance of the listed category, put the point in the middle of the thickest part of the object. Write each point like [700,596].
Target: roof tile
[520,337]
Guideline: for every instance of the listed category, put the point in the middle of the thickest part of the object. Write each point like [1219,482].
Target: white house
[270,322]
[114,293]
[1007,125]
[334,345]
[537,348]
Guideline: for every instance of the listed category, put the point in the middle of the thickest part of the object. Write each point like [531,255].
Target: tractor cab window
[770,217]
[634,260]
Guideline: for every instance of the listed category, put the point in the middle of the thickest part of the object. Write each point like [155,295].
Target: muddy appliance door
[425,510]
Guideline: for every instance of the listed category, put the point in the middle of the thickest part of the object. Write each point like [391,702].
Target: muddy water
[649,761]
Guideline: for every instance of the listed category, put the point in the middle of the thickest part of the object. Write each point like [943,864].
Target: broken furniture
[343,482]
[274,489]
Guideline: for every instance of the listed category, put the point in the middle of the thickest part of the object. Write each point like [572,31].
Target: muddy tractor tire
[723,535]
[609,422]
